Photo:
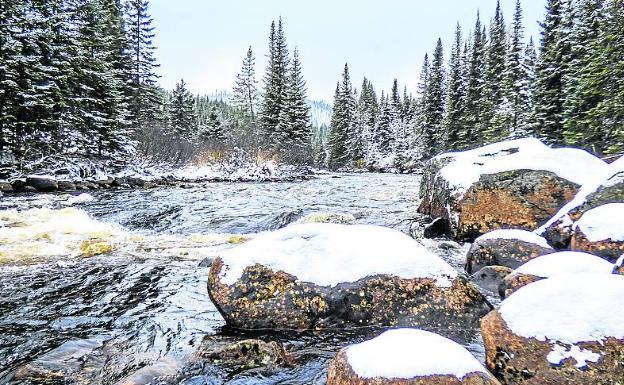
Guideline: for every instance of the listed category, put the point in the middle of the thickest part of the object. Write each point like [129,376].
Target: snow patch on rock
[520,235]
[581,356]
[603,222]
[565,262]
[467,167]
[328,254]
[568,309]
[409,353]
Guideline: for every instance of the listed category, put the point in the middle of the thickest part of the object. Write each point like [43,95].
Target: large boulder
[514,184]
[508,248]
[407,357]
[553,265]
[606,187]
[563,330]
[600,231]
[42,183]
[312,276]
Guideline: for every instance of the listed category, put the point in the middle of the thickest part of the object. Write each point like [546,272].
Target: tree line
[76,76]
[494,86]
[274,118]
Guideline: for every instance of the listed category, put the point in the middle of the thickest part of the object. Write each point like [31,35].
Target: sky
[204,41]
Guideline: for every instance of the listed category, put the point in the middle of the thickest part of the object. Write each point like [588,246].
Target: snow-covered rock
[600,231]
[322,275]
[512,184]
[552,265]
[407,356]
[509,248]
[606,187]
[567,329]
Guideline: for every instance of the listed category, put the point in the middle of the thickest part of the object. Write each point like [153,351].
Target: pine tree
[474,119]
[581,83]
[434,137]
[421,100]
[367,112]
[143,76]
[341,122]
[456,94]
[246,91]
[494,77]
[294,120]
[182,111]
[275,83]
[383,134]
[511,118]
[551,70]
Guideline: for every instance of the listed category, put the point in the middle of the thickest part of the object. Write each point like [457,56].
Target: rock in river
[606,187]
[514,184]
[552,265]
[508,248]
[42,183]
[600,231]
[407,357]
[562,330]
[314,276]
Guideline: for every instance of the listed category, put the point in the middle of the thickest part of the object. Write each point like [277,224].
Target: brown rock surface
[267,299]
[517,360]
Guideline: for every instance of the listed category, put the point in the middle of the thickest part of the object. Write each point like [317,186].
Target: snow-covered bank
[84,174]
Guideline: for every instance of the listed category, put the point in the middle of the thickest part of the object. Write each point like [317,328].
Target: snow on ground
[328,254]
[609,176]
[409,353]
[575,165]
[566,310]
[565,262]
[520,235]
[603,222]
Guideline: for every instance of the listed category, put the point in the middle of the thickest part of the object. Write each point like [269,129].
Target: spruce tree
[474,119]
[551,70]
[512,115]
[434,137]
[245,91]
[294,120]
[456,93]
[144,104]
[275,83]
[182,111]
[582,86]
[494,77]
[341,122]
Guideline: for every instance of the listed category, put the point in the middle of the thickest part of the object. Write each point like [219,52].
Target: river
[141,314]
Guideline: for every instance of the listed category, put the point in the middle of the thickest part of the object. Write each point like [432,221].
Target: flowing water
[140,313]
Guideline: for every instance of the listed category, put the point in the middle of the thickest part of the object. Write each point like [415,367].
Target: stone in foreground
[490,278]
[508,248]
[315,276]
[553,265]
[562,330]
[407,357]
[607,187]
[515,184]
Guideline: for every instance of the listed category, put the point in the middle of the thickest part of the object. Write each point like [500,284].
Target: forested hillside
[78,77]
[494,85]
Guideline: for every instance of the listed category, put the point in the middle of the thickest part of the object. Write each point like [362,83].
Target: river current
[140,314]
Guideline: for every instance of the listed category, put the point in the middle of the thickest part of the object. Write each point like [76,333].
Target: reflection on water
[141,313]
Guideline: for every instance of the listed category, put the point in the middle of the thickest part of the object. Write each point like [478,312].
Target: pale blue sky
[204,41]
